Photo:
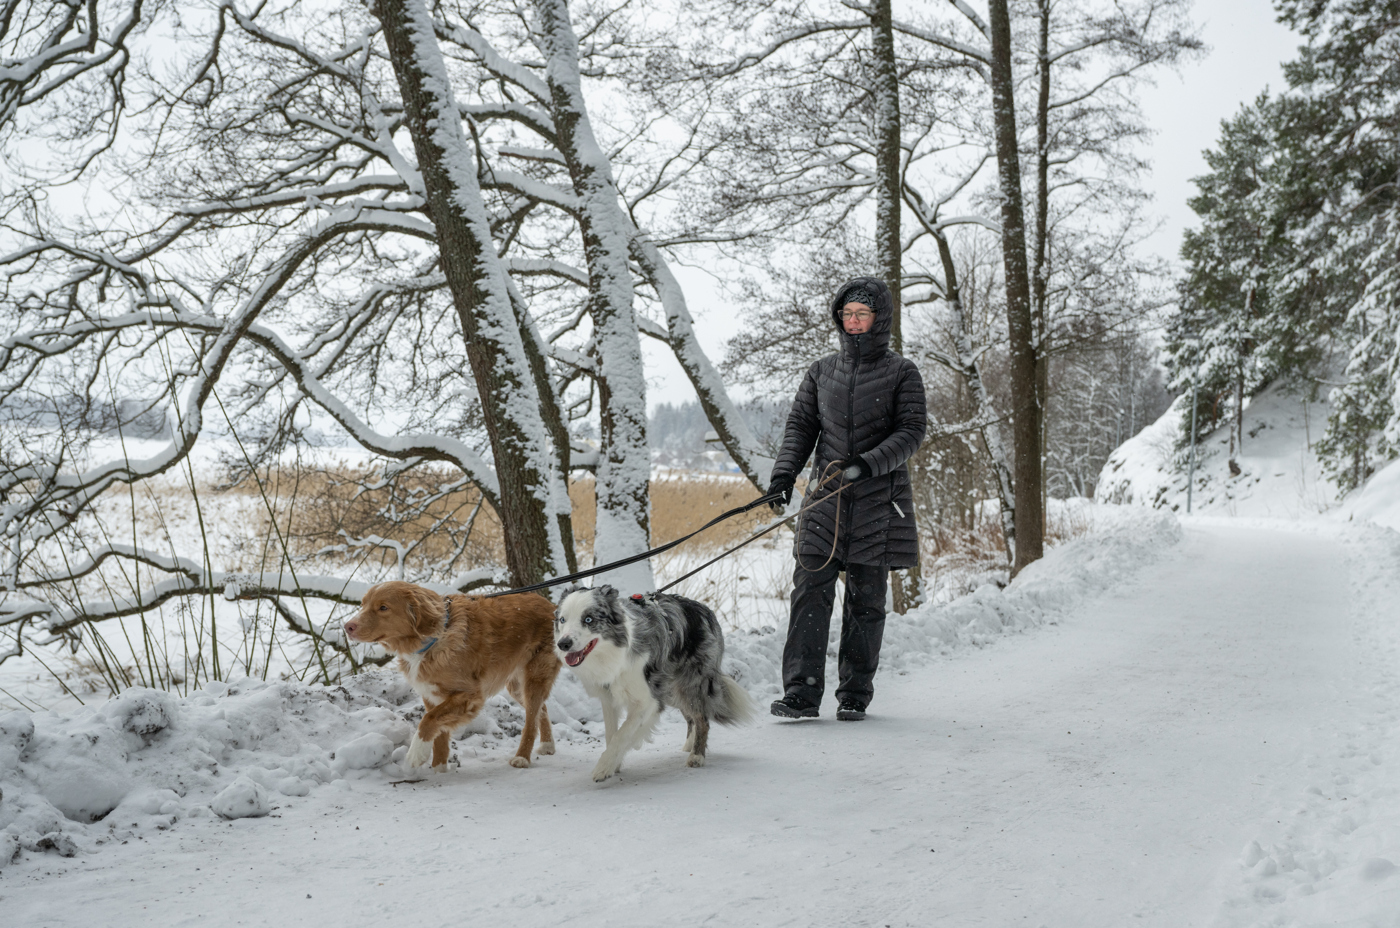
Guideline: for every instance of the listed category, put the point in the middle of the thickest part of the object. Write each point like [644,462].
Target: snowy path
[1105,771]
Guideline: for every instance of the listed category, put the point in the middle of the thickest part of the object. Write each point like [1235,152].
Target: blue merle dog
[644,653]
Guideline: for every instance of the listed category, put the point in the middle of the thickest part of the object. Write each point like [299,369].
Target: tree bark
[624,460]
[495,351]
[889,248]
[553,415]
[1040,269]
[1030,522]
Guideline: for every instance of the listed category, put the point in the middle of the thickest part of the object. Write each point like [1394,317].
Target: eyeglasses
[859,315]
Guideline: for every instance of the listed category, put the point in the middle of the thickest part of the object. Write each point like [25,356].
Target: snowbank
[1121,541]
[1280,475]
[71,782]
[1379,500]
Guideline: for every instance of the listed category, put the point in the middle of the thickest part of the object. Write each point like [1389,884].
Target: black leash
[748,507]
[570,578]
[757,535]
[754,537]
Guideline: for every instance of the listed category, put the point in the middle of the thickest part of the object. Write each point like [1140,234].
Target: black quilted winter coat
[864,400]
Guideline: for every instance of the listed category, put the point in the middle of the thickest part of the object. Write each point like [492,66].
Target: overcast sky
[1246,48]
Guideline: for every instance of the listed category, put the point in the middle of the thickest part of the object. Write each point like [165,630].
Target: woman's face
[857,318]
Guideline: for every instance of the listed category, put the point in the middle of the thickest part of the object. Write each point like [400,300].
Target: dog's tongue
[574,658]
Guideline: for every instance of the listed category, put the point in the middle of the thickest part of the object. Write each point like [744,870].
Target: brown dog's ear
[425,609]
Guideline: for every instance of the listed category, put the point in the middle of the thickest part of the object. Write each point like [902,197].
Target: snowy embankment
[1328,852]
[76,781]
[1280,475]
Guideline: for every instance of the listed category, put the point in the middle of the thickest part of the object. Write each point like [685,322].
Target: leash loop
[827,475]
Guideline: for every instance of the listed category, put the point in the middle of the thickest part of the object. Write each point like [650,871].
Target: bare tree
[300,266]
[477,280]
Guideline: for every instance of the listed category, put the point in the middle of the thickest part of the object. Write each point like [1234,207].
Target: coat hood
[875,342]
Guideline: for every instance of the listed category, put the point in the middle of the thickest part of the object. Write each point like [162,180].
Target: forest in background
[1294,273]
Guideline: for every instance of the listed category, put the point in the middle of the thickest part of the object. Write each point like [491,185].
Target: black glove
[854,468]
[781,483]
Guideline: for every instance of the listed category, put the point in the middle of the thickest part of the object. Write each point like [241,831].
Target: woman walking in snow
[861,410]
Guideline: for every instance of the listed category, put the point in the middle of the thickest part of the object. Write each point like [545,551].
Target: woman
[862,411]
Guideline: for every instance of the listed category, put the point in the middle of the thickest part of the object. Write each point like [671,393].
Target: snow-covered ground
[1168,721]
[1182,728]
[1280,476]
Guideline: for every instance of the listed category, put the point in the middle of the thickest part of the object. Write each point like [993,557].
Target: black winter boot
[850,711]
[793,706]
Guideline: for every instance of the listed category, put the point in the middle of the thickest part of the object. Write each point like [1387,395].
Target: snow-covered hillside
[1280,476]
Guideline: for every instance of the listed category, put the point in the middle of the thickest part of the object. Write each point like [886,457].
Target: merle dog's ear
[608,592]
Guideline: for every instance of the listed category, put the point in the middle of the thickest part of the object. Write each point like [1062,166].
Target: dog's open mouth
[574,658]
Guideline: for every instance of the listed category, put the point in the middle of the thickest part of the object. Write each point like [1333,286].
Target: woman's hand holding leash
[854,469]
[781,484]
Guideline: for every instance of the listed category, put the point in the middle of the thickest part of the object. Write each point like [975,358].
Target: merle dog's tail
[737,706]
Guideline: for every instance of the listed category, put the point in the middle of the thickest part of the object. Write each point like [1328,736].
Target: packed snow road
[1174,753]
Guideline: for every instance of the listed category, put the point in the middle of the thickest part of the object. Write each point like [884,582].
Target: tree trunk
[1040,270]
[551,411]
[889,247]
[495,351]
[1030,522]
[1242,352]
[884,73]
[624,460]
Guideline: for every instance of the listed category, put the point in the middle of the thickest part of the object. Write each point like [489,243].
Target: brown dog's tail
[737,706]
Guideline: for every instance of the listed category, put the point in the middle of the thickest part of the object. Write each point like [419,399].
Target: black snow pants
[862,627]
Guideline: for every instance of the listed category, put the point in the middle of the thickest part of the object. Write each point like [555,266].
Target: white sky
[1246,47]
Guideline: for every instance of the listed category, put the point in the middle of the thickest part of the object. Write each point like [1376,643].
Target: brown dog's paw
[419,752]
[546,747]
[518,761]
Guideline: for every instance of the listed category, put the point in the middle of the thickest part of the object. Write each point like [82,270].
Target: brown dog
[458,653]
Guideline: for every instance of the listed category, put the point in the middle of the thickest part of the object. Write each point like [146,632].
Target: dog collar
[446,623]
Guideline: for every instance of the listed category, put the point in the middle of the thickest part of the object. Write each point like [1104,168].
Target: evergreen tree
[1220,340]
[1345,126]
[1299,251]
